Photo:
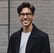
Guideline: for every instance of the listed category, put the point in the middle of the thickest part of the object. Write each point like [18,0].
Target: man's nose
[25,16]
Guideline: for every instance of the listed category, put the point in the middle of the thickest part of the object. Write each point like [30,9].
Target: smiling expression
[26,17]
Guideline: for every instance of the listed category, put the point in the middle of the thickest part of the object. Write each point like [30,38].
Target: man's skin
[26,20]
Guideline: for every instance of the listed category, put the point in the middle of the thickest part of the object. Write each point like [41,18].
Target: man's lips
[25,21]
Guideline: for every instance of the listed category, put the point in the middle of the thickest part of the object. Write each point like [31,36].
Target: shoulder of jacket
[42,33]
[15,34]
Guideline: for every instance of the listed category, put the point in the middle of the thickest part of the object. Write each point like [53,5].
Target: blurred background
[9,23]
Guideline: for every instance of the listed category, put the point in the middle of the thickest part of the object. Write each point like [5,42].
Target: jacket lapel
[18,39]
[32,39]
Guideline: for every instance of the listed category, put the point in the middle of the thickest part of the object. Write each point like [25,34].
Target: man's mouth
[25,21]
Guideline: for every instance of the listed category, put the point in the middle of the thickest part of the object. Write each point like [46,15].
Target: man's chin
[25,25]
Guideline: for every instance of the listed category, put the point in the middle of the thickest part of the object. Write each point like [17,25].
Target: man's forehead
[26,10]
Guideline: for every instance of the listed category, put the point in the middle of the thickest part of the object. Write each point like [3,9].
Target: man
[29,39]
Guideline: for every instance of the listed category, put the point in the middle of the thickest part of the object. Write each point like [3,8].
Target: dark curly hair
[24,5]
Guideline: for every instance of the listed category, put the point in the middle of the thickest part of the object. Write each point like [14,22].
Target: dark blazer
[38,42]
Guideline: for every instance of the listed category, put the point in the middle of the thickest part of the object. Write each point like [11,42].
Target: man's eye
[23,14]
[29,14]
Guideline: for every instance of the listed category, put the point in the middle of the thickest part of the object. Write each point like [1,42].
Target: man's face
[26,17]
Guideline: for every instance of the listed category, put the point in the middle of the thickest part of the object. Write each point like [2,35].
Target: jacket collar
[34,30]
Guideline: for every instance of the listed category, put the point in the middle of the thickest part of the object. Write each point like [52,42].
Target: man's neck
[28,29]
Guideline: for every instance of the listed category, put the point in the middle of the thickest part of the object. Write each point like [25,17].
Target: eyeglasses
[27,14]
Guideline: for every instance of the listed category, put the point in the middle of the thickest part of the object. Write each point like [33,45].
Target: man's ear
[18,16]
[35,16]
